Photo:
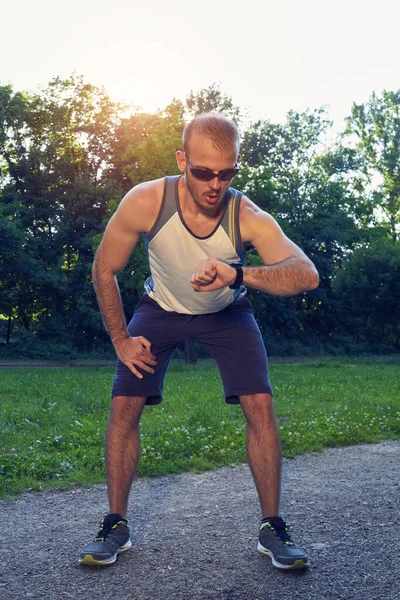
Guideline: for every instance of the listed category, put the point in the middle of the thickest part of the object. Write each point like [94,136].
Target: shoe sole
[298,564]
[88,559]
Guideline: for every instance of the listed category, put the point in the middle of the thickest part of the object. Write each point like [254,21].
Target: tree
[369,287]
[10,258]
[290,172]
[212,99]
[67,157]
[150,143]
[55,147]
[374,130]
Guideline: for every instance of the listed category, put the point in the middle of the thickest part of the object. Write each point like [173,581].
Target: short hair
[223,132]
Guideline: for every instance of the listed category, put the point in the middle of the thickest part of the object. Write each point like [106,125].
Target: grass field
[53,419]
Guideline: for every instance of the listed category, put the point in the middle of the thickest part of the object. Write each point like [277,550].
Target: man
[197,230]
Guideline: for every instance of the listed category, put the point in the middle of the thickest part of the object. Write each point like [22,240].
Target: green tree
[212,99]
[10,258]
[369,287]
[373,129]
[67,157]
[151,155]
[290,171]
[55,147]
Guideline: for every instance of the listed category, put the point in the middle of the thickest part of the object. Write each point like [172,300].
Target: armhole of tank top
[234,227]
[149,236]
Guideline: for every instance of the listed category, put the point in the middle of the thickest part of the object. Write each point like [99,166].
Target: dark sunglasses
[207,175]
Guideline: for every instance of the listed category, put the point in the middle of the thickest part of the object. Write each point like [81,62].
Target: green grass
[53,419]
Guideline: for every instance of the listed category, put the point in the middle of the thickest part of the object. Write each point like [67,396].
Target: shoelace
[283,534]
[105,530]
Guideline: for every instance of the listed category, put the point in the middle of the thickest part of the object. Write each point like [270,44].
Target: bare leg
[122,450]
[263,450]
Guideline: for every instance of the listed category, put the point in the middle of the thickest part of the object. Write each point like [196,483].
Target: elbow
[314,279]
[102,272]
[95,271]
[99,273]
[309,279]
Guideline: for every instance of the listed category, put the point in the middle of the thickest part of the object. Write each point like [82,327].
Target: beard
[200,197]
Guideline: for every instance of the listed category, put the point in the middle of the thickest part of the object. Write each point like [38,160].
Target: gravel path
[195,535]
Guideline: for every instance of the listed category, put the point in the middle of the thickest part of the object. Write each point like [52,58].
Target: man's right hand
[136,351]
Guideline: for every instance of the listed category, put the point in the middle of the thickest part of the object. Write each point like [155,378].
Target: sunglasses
[207,175]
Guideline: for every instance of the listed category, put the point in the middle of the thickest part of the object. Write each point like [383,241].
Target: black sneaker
[112,538]
[274,541]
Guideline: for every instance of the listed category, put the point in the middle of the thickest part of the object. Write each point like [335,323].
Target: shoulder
[260,229]
[139,208]
[255,222]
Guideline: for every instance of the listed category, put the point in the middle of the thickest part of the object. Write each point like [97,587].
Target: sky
[268,56]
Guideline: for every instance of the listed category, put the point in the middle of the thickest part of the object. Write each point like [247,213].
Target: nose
[215,183]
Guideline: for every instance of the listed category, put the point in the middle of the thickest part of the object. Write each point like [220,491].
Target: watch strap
[239,275]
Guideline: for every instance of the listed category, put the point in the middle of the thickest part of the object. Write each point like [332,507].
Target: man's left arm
[286,271]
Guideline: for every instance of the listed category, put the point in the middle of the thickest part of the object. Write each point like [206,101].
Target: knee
[126,410]
[258,409]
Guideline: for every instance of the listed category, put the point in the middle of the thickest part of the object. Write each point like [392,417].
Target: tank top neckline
[186,226]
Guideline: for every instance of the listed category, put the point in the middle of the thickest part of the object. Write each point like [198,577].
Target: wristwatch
[239,275]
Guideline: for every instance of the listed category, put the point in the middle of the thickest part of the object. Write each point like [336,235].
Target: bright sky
[268,55]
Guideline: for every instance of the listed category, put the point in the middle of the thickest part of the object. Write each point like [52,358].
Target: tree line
[68,154]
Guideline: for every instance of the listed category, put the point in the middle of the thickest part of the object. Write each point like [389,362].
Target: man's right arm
[135,215]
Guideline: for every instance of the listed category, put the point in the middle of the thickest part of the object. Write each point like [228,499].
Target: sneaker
[275,541]
[112,538]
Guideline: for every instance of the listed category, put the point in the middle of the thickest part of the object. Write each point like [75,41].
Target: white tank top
[174,252]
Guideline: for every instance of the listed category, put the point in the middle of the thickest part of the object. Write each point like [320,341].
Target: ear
[180,160]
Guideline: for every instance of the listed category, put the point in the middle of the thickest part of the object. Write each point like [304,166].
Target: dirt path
[194,536]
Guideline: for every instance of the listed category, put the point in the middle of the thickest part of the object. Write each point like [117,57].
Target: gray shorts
[231,336]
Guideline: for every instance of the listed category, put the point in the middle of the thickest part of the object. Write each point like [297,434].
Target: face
[202,154]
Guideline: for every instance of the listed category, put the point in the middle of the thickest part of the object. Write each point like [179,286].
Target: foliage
[54,148]
[369,286]
[68,154]
[289,172]
[374,128]
[211,99]
[146,144]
